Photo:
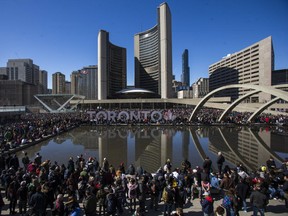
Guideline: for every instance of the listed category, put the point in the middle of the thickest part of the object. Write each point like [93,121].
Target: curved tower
[153,56]
[111,67]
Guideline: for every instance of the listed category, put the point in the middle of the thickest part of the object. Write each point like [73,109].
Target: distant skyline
[61,36]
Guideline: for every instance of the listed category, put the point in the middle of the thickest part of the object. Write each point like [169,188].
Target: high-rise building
[112,70]
[24,70]
[185,76]
[58,83]
[153,56]
[67,87]
[85,81]
[200,87]
[75,82]
[252,65]
[43,81]
[88,82]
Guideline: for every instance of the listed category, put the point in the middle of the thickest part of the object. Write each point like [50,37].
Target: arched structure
[262,108]
[239,100]
[266,89]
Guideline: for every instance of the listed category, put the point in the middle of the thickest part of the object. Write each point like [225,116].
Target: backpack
[227,203]
[167,195]
[111,203]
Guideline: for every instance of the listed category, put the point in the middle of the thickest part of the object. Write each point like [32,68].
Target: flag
[84,72]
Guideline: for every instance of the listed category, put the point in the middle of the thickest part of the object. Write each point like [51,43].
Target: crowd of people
[87,186]
[101,189]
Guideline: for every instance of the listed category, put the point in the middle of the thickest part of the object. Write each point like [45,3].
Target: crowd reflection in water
[85,184]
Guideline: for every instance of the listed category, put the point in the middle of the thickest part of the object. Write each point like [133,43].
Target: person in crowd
[196,187]
[284,190]
[132,193]
[142,192]
[219,211]
[25,161]
[72,207]
[38,159]
[59,207]
[89,203]
[131,170]
[242,191]
[258,200]
[229,202]
[101,199]
[220,161]
[270,163]
[119,191]
[186,165]
[105,165]
[37,203]
[225,183]
[22,195]
[205,185]
[167,166]
[168,197]
[207,204]
[12,194]
[111,203]
[207,165]
[215,181]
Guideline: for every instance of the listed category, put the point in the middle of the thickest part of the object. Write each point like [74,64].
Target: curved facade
[153,56]
[112,70]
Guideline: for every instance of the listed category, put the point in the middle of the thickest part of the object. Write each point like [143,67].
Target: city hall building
[153,56]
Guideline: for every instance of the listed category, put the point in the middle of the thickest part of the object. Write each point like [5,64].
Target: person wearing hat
[207,204]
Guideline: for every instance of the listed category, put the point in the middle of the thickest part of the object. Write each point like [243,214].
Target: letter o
[159,116]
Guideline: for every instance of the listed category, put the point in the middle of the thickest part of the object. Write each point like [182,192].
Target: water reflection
[151,146]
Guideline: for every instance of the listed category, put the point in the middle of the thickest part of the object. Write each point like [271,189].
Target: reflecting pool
[151,146]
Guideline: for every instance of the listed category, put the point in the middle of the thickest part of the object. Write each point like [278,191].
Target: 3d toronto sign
[154,115]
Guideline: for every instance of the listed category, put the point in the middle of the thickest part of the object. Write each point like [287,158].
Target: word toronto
[131,115]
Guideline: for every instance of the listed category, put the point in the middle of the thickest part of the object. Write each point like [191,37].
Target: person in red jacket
[207,204]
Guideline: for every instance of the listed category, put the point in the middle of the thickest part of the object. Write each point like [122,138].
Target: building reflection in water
[150,147]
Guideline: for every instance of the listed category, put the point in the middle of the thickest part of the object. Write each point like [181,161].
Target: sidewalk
[191,208]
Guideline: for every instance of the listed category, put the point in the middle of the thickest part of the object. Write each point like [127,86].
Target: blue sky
[61,35]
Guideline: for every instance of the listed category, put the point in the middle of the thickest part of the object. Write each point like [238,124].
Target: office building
[24,70]
[58,83]
[67,87]
[185,76]
[88,82]
[252,65]
[112,70]
[200,88]
[43,81]
[153,56]
[75,76]
[280,77]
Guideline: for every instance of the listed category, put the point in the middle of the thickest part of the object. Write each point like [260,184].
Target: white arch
[266,89]
[239,100]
